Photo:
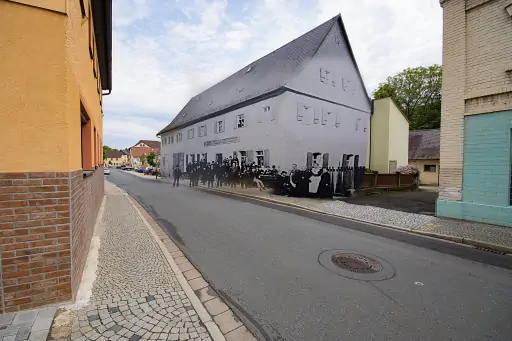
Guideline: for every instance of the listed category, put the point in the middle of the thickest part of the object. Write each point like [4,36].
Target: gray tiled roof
[258,78]
[424,144]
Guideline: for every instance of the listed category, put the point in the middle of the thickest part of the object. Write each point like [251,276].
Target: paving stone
[198,283]
[191,274]
[227,321]
[24,318]
[136,295]
[215,306]
[240,334]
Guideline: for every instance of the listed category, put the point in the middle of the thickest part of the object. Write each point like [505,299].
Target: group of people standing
[230,172]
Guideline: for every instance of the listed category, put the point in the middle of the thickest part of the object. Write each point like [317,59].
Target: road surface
[266,262]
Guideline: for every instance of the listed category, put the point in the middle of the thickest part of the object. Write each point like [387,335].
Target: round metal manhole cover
[356,263]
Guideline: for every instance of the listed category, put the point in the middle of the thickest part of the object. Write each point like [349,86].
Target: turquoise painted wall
[486,173]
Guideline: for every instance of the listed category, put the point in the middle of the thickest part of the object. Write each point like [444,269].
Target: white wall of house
[334,119]
[332,74]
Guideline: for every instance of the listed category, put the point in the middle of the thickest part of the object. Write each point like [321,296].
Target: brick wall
[36,233]
[34,239]
[86,196]
[476,52]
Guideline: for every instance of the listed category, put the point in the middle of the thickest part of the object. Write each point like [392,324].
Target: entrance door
[218,158]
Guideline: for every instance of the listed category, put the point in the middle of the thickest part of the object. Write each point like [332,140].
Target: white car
[106,171]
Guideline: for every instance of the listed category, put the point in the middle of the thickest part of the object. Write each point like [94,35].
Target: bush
[408,169]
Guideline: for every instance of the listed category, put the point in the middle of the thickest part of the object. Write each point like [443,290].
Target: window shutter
[266,158]
[325,160]
[205,126]
[236,121]
[250,156]
[309,160]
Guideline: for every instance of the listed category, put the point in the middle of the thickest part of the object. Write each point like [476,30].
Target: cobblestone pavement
[136,295]
[32,325]
[484,233]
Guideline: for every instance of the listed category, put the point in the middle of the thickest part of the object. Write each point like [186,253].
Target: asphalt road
[266,262]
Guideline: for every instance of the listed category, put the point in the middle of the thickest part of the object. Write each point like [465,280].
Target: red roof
[138,151]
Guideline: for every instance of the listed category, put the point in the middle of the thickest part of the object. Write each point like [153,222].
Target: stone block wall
[36,230]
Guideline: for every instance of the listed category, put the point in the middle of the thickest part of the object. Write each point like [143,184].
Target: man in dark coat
[176,173]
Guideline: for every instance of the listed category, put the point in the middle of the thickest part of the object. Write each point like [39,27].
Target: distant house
[424,154]
[143,147]
[389,137]
[304,103]
[116,158]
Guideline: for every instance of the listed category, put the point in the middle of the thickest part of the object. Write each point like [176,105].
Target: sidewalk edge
[205,317]
[455,239]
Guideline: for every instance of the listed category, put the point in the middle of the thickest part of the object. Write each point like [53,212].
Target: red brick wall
[86,197]
[36,226]
[34,239]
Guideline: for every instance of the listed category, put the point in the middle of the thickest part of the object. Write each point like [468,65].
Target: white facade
[325,110]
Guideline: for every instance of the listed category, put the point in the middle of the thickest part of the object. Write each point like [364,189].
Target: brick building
[476,123]
[55,65]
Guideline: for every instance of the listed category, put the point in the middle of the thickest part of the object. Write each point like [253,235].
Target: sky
[166,51]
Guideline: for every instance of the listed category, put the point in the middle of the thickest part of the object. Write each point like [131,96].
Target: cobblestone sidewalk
[136,295]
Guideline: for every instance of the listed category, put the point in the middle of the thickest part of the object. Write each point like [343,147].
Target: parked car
[106,171]
[128,168]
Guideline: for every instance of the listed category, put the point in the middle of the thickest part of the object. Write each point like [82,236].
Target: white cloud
[166,52]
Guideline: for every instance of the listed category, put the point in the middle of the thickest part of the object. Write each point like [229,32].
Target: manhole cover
[356,263]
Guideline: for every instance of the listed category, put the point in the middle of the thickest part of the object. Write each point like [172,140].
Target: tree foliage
[417,92]
[143,159]
[151,159]
[105,150]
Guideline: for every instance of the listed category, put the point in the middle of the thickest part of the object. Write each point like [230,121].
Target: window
[324,76]
[430,168]
[358,124]
[240,121]
[164,141]
[266,108]
[204,157]
[179,137]
[172,139]
[325,116]
[259,157]
[219,127]
[86,139]
[201,131]
[191,133]
[243,157]
[303,111]
[338,119]
[91,36]
[316,117]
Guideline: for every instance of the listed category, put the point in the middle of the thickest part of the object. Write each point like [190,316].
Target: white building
[306,97]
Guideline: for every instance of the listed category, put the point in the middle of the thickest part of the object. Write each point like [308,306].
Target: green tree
[151,159]
[105,150]
[143,159]
[417,92]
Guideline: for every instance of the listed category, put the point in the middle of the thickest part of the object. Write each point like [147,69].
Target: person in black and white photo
[176,173]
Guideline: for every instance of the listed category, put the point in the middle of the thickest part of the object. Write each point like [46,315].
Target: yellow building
[115,158]
[389,137]
[55,63]
[424,155]
[476,113]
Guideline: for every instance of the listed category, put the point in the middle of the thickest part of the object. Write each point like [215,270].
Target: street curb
[205,317]
[455,239]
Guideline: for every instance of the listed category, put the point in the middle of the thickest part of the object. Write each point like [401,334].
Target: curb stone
[455,239]
[230,325]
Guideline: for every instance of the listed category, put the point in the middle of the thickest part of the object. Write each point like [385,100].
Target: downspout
[370,139]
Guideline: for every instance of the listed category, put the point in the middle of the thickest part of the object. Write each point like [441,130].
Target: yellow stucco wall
[46,70]
[427,178]
[398,135]
[379,130]
[389,136]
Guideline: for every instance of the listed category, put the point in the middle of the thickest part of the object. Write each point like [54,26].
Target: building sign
[227,140]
